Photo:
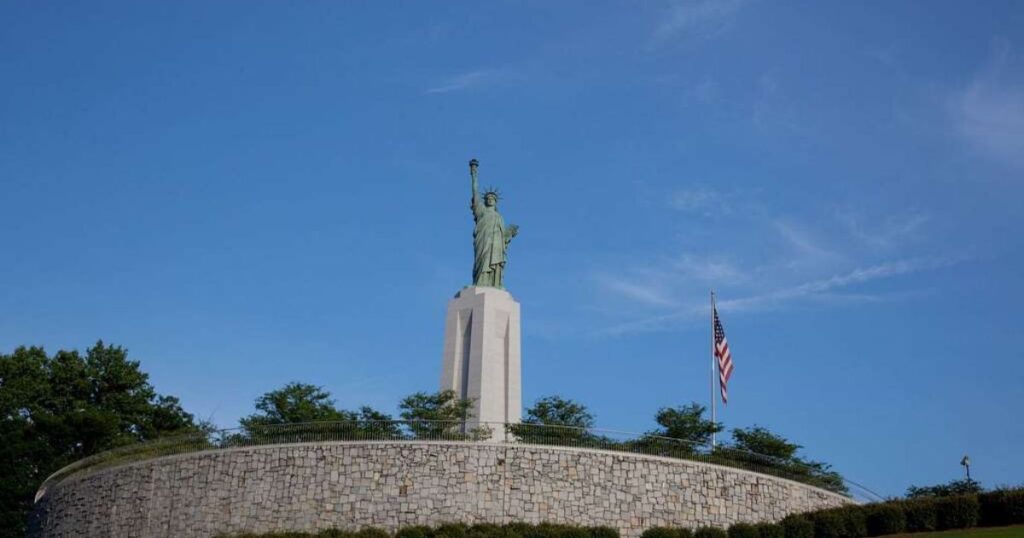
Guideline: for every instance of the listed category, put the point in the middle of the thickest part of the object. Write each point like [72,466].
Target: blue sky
[249,193]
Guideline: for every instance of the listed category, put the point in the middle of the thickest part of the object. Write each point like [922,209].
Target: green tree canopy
[295,403]
[292,410]
[955,487]
[759,440]
[56,409]
[558,411]
[438,415]
[686,422]
[543,423]
[780,457]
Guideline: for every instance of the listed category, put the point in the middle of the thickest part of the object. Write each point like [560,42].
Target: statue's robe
[489,245]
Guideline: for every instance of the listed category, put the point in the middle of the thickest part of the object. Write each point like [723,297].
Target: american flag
[724,358]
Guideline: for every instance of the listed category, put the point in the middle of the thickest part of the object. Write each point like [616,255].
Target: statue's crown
[492,191]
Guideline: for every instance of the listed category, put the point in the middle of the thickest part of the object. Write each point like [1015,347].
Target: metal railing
[468,432]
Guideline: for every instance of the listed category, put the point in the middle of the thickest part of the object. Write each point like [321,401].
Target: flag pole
[713,366]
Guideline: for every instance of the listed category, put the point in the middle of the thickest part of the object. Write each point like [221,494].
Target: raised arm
[475,202]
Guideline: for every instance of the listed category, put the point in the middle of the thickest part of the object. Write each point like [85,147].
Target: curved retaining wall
[314,486]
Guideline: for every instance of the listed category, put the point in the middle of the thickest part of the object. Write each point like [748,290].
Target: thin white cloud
[648,294]
[713,270]
[804,241]
[828,290]
[660,284]
[695,200]
[989,112]
[829,285]
[696,18]
[890,232]
[464,81]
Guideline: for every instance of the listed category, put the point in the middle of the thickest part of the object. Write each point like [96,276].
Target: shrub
[415,532]
[854,521]
[451,530]
[550,530]
[770,530]
[517,529]
[885,518]
[710,532]
[604,532]
[795,526]
[1001,507]
[334,533]
[920,514]
[743,530]
[371,532]
[660,532]
[571,531]
[828,524]
[958,512]
[684,533]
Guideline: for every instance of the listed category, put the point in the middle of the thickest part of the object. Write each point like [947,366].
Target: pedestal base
[481,355]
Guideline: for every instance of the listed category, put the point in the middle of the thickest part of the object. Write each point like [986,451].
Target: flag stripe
[725,366]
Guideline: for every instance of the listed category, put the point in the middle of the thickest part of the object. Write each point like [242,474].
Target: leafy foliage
[743,530]
[770,530]
[758,449]
[797,526]
[60,408]
[885,518]
[437,415]
[556,421]
[957,512]
[295,403]
[456,530]
[686,422]
[291,412]
[710,532]
[557,411]
[759,440]
[1001,507]
[956,487]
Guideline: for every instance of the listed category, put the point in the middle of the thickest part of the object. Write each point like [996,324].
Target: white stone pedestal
[481,355]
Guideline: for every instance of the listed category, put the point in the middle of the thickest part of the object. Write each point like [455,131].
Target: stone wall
[314,486]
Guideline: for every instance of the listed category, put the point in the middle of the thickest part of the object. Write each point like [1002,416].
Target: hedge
[460,530]
[958,512]
[743,530]
[770,530]
[993,509]
[920,515]
[1001,507]
[885,518]
[710,532]
[797,526]
[996,508]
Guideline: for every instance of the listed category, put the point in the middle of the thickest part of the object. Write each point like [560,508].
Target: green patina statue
[490,236]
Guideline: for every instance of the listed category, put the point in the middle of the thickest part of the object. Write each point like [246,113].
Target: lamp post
[966,462]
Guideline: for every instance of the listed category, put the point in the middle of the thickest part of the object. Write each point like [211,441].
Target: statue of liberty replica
[482,345]
[490,236]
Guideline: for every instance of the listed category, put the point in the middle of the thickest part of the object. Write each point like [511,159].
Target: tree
[686,423]
[554,420]
[438,415]
[60,408]
[760,449]
[295,403]
[759,440]
[291,412]
[955,487]
[557,411]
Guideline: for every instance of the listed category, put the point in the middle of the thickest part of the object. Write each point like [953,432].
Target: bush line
[997,508]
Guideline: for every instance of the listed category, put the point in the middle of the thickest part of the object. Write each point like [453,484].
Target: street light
[966,462]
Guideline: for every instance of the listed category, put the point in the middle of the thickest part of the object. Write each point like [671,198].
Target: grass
[1016,531]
